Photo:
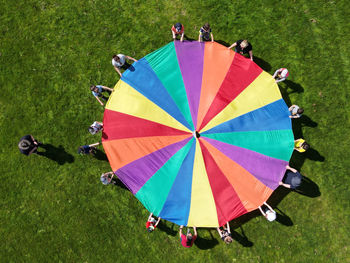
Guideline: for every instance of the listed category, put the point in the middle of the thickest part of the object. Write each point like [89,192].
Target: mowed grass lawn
[56,210]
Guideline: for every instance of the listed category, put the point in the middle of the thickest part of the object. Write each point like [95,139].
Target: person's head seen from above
[244,44]
[206,27]
[270,215]
[178,27]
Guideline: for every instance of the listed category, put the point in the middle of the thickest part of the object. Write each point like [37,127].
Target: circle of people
[292,178]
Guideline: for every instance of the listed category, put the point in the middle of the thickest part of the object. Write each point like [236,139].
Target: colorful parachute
[199,134]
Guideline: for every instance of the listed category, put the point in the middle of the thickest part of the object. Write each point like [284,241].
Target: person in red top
[178,29]
[151,223]
[188,239]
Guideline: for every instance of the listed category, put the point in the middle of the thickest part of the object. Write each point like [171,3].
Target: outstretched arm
[33,150]
[219,231]
[285,185]
[174,37]
[94,144]
[157,221]
[199,37]
[110,179]
[279,80]
[291,169]
[182,36]
[99,100]
[106,88]
[275,74]
[195,230]
[228,227]
[118,71]
[268,206]
[233,45]
[180,230]
[131,58]
[251,55]
[262,211]
[212,37]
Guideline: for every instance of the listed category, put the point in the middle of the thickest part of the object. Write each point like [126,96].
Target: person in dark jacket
[28,145]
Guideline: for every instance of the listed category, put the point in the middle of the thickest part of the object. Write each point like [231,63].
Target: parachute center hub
[196,134]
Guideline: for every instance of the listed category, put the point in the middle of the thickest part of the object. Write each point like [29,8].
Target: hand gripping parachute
[199,134]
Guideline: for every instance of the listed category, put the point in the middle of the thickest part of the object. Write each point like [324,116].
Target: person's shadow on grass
[119,184]
[163,226]
[298,158]
[282,218]
[262,63]
[100,155]
[57,154]
[299,123]
[293,87]
[308,188]
[206,243]
[241,238]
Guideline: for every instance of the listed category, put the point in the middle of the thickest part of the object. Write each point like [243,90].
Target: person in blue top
[108,178]
[292,178]
[205,33]
[97,92]
[88,149]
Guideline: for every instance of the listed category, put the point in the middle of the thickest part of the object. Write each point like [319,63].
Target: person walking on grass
[280,74]
[97,92]
[268,212]
[96,127]
[151,223]
[225,233]
[205,33]
[295,111]
[88,149]
[243,47]
[188,239]
[119,62]
[178,30]
[108,178]
[301,145]
[292,178]
[28,145]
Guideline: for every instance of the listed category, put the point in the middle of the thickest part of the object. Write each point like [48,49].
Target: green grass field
[56,210]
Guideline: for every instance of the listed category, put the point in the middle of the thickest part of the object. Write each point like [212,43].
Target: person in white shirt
[268,212]
[96,127]
[107,178]
[119,61]
[295,111]
[280,74]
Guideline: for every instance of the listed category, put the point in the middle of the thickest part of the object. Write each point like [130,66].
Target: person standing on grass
[151,223]
[88,149]
[292,178]
[107,178]
[28,145]
[225,233]
[295,111]
[268,212]
[119,62]
[280,74]
[178,30]
[205,33]
[97,92]
[188,239]
[96,127]
[301,145]
[243,47]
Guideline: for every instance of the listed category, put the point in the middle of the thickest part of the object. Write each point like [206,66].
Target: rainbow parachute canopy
[198,133]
